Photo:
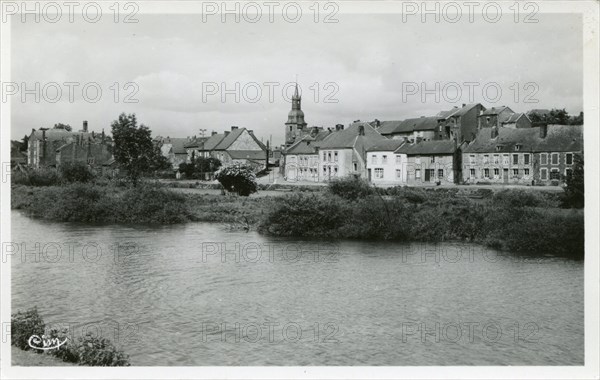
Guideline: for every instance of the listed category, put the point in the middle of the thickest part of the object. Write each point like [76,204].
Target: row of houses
[52,147]
[500,146]
[238,146]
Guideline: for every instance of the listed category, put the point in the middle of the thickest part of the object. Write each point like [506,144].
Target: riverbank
[24,358]
[529,222]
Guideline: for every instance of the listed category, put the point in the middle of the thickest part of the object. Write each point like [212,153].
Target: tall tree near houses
[134,150]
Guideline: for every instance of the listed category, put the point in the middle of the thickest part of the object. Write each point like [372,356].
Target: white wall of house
[386,168]
[302,167]
[429,169]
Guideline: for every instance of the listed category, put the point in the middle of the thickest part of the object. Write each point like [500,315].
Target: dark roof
[229,139]
[387,145]
[178,144]
[304,146]
[463,110]
[388,127]
[430,147]
[514,117]
[560,138]
[196,142]
[494,111]
[417,124]
[349,138]
[213,141]
[445,114]
[247,154]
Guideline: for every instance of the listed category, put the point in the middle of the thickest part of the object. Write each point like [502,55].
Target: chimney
[464,104]
[361,130]
[103,135]
[543,131]
[85,126]
[226,133]
[494,132]
[251,131]
[377,123]
[213,133]
[234,127]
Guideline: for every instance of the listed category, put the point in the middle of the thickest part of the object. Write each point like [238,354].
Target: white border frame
[589,10]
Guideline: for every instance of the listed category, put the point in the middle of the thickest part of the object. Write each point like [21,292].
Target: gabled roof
[388,127]
[514,117]
[388,145]
[213,141]
[196,142]
[349,138]
[430,147]
[463,110]
[178,144]
[495,111]
[417,124]
[560,138]
[229,139]
[442,115]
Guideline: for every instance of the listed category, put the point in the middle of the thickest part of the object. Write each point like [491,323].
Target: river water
[201,294]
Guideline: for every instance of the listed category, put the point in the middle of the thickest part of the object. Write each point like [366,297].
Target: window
[432,159]
[324,170]
[554,174]
[496,159]
[374,159]
[335,156]
[398,173]
[498,148]
[486,158]
[471,173]
[384,160]
[355,167]
[496,172]
[526,158]
[417,173]
[544,159]
[554,158]
[418,160]
[398,160]
[515,159]
[517,147]
[329,156]
[505,159]
[569,158]
[335,170]
[515,172]
[440,173]
[544,174]
[568,172]
[472,159]
[378,173]
[526,171]
[486,173]
[324,156]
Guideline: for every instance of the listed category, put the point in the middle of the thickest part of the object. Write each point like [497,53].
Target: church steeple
[295,123]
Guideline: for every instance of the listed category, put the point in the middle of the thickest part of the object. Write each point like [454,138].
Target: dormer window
[518,147]
[498,148]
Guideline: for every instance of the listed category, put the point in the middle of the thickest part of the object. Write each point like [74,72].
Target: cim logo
[45,342]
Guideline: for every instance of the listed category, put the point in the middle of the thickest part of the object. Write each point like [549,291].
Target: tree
[198,167]
[66,127]
[24,144]
[134,150]
[575,189]
[238,179]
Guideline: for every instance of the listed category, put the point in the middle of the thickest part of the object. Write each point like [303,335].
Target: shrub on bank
[350,188]
[36,177]
[80,202]
[88,350]
[76,172]
[23,325]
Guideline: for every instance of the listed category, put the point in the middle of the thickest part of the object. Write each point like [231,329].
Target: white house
[384,165]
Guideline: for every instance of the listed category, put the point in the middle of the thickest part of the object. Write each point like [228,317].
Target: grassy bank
[515,220]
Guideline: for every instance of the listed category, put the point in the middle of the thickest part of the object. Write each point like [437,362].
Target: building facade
[386,166]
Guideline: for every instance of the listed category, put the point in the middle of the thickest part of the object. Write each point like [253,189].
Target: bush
[76,172]
[238,179]
[523,198]
[88,350]
[304,215]
[36,177]
[350,188]
[23,325]
[150,204]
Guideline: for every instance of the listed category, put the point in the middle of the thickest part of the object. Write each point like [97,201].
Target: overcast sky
[369,58]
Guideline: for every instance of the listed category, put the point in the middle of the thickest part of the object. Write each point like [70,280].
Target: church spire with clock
[295,125]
